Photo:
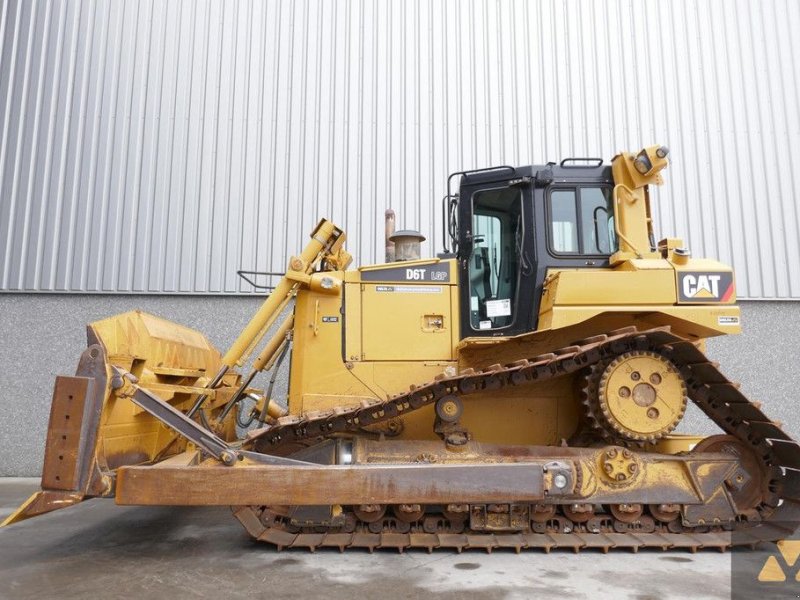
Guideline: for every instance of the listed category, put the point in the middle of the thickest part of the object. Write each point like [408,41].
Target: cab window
[582,221]
[497,237]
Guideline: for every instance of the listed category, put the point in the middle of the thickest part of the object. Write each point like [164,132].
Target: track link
[707,387]
[562,538]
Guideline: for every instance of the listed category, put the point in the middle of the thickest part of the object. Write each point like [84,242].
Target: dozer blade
[42,502]
[93,431]
[69,473]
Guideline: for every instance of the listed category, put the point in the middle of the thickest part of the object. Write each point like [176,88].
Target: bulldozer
[520,390]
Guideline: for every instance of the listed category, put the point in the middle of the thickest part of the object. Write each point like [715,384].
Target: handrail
[615,194]
[446,221]
[244,275]
[454,198]
[564,162]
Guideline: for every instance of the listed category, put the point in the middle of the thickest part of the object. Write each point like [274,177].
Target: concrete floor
[97,549]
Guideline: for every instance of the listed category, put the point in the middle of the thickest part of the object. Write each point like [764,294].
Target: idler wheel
[748,485]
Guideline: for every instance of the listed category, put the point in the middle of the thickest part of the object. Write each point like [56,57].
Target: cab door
[496,258]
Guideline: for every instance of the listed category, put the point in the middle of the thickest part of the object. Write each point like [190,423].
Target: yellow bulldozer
[521,390]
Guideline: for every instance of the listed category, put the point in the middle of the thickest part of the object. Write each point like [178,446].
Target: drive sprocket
[638,396]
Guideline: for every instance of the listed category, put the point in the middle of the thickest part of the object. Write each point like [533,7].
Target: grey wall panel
[158,146]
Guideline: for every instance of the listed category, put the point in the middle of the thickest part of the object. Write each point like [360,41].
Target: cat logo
[772,571]
[701,286]
[705,287]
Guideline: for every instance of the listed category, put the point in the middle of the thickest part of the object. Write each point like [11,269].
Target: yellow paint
[632,216]
[609,287]
[21,513]
[325,239]
[636,286]
[319,370]
[642,396]
[772,572]
[398,311]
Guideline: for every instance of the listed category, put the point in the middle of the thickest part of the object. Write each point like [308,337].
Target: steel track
[774,519]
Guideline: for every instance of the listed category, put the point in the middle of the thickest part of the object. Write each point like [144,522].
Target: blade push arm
[325,248]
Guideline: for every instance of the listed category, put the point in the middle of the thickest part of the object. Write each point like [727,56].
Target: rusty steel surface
[42,502]
[62,460]
[324,484]
[567,535]
[777,456]
[475,474]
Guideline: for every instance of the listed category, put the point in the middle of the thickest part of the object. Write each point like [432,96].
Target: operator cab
[508,226]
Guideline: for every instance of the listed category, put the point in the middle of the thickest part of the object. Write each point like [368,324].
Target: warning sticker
[728,320]
[409,289]
[498,308]
[485,325]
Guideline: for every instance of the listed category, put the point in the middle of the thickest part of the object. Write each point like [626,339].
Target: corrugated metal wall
[158,146]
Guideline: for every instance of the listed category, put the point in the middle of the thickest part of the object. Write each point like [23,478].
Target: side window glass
[582,221]
[494,263]
[565,221]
